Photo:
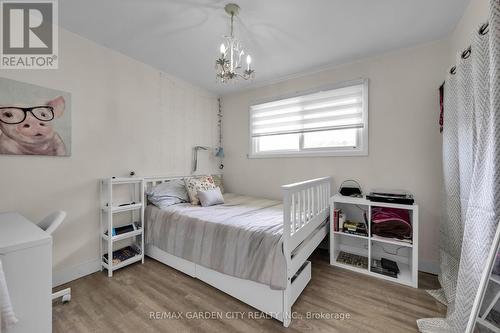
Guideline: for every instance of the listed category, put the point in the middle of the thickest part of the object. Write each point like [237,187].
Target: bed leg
[287,309]
[287,318]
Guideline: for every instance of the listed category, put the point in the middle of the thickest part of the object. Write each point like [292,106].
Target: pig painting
[28,130]
[32,119]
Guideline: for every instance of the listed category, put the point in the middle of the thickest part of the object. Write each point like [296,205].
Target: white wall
[126,116]
[475,14]
[404,138]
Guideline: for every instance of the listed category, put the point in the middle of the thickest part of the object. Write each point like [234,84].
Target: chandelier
[229,63]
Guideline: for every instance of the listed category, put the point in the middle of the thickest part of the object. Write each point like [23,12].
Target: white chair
[50,224]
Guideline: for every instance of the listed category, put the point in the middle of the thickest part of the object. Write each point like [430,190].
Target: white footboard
[305,208]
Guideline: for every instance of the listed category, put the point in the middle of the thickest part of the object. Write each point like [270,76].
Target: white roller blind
[325,110]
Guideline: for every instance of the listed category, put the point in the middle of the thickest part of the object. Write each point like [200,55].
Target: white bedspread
[241,238]
[7,315]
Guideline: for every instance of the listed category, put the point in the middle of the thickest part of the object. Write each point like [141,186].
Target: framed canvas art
[34,120]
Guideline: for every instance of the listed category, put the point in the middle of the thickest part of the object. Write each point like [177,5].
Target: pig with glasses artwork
[28,130]
[32,126]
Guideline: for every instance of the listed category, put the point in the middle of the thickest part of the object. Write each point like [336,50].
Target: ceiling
[284,37]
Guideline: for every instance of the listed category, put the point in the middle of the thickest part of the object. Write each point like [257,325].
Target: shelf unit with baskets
[122,204]
[369,246]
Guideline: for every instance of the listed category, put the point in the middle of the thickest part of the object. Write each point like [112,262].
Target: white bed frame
[305,208]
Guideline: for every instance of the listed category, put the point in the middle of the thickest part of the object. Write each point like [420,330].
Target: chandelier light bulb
[249,61]
[222,49]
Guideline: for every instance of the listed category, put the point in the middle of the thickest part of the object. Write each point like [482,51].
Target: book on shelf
[122,254]
[355,228]
[336,213]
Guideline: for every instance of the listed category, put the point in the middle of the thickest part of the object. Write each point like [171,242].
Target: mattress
[241,238]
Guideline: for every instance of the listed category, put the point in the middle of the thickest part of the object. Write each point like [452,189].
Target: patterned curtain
[471,169]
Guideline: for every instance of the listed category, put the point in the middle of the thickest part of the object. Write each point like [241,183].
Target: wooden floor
[125,302]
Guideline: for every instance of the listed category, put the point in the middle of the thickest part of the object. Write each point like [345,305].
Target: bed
[253,249]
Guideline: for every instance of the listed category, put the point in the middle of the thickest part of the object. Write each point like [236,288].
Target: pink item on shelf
[391,222]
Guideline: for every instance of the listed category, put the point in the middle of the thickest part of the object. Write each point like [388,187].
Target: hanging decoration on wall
[232,52]
[34,120]
[219,151]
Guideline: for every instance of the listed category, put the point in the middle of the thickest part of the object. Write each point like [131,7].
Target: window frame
[362,133]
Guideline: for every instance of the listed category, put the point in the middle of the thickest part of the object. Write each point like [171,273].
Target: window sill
[311,154]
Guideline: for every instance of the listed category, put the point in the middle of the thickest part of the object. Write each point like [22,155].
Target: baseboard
[75,272]
[429,267]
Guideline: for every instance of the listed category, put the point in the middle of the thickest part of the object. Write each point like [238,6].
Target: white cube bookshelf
[120,207]
[373,246]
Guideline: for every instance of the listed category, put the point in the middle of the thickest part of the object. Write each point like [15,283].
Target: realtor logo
[29,34]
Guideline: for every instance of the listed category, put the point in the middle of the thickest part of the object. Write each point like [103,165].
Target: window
[329,122]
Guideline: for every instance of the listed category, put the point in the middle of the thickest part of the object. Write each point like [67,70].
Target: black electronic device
[377,267]
[350,188]
[390,265]
[126,204]
[398,197]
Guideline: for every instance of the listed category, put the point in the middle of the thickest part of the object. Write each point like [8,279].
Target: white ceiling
[285,37]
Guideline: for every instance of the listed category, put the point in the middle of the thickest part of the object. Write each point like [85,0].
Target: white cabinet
[26,254]
[370,246]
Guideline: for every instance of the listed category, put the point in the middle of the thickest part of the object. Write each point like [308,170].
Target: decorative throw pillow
[211,197]
[218,182]
[168,193]
[195,184]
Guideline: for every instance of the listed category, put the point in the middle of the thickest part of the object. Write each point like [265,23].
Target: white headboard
[149,182]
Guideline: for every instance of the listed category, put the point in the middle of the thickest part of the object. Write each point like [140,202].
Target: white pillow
[168,193]
[198,183]
[210,197]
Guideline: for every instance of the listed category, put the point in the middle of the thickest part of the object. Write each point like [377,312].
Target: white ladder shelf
[482,319]
[109,208]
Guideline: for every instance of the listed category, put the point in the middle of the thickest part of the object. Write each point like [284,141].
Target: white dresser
[26,254]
